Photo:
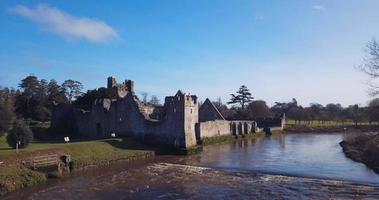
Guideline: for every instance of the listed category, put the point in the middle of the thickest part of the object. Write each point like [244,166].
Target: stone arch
[233,128]
[240,128]
[245,128]
[253,127]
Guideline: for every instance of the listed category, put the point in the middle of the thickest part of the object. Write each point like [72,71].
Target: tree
[7,114]
[154,100]
[218,103]
[355,113]
[32,101]
[258,109]
[224,110]
[72,89]
[373,110]
[291,109]
[144,96]
[242,97]
[21,134]
[334,111]
[371,65]
[55,93]
[315,110]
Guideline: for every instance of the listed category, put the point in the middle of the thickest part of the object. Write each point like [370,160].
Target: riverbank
[302,128]
[280,166]
[231,138]
[363,148]
[14,175]
[84,154]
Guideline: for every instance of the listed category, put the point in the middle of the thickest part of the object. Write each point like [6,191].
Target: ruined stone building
[178,123]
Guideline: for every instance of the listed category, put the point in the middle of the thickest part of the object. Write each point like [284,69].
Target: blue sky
[280,49]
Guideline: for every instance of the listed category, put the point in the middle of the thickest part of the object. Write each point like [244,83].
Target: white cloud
[70,27]
[317,7]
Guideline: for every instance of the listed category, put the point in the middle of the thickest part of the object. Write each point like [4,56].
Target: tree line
[34,99]
[245,107]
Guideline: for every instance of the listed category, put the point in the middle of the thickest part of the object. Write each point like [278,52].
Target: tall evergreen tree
[31,102]
[7,114]
[243,97]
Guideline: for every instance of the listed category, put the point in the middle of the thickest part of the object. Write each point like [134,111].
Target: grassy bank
[13,175]
[363,148]
[17,177]
[332,128]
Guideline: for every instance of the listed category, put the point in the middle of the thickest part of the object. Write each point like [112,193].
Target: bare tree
[154,100]
[371,66]
[144,96]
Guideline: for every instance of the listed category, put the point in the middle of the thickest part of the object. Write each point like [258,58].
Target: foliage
[258,109]
[31,102]
[242,97]
[6,109]
[72,89]
[55,94]
[20,134]
[224,110]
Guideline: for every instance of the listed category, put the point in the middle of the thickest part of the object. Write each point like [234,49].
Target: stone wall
[129,117]
[213,129]
[176,123]
[173,125]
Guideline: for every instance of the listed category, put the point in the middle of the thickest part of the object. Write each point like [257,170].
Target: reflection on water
[227,171]
[309,155]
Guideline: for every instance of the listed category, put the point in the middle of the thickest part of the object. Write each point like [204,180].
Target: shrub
[20,133]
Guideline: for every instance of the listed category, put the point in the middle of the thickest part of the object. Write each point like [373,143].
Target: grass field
[83,153]
[327,123]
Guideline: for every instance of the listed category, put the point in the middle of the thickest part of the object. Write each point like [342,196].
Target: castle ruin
[179,123]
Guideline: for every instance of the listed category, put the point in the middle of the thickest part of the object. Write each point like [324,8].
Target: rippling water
[292,166]
[306,155]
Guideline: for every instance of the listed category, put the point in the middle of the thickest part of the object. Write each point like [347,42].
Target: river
[288,166]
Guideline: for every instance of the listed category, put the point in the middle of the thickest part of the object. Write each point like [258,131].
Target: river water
[291,166]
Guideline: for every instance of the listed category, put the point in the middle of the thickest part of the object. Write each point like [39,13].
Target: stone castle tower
[120,89]
[182,110]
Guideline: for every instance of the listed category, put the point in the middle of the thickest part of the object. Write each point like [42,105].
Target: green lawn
[83,153]
[327,123]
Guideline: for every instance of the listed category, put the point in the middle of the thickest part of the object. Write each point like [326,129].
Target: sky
[281,49]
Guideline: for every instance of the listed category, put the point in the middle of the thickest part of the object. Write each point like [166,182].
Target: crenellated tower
[182,110]
[120,89]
